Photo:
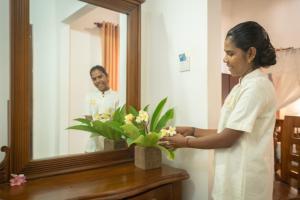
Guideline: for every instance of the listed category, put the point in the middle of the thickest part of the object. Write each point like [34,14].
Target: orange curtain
[110,40]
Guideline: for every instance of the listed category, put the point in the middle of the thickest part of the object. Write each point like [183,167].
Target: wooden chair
[290,151]
[277,146]
[287,184]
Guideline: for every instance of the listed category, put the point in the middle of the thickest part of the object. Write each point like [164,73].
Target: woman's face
[236,59]
[100,80]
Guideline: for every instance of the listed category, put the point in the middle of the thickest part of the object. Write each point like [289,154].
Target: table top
[113,182]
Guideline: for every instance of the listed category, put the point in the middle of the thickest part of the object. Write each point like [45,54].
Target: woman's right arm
[196,132]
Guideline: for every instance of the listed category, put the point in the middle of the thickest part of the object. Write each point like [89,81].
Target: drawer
[161,193]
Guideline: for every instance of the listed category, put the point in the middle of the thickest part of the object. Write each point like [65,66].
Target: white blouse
[245,170]
[99,103]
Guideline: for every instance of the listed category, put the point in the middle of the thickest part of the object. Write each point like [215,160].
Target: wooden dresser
[123,181]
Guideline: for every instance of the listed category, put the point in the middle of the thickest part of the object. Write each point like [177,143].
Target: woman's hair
[100,68]
[251,34]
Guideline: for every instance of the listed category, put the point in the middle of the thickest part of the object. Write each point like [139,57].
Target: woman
[243,141]
[100,104]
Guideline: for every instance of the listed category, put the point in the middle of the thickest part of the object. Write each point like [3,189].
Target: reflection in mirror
[4,72]
[68,39]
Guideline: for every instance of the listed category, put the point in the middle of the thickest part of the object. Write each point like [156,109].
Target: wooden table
[123,181]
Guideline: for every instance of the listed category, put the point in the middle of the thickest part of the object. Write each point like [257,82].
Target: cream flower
[128,118]
[105,117]
[143,117]
[96,116]
[102,117]
[169,133]
[172,131]
[164,132]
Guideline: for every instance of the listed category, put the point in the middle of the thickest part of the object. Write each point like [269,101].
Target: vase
[110,145]
[147,157]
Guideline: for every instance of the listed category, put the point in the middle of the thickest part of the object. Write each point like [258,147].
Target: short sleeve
[116,100]
[248,107]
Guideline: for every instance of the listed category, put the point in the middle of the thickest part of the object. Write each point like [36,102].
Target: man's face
[100,80]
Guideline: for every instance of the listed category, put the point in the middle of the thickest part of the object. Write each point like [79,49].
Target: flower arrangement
[141,129]
[136,127]
[107,125]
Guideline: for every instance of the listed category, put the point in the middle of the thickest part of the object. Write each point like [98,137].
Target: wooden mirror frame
[21,94]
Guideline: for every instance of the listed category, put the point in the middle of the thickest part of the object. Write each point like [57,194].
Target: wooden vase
[110,145]
[147,157]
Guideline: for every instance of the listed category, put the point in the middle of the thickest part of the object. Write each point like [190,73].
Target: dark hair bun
[251,34]
[266,57]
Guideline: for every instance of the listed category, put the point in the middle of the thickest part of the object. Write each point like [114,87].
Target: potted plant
[106,125]
[145,132]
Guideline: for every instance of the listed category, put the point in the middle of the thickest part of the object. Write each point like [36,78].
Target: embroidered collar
[254,73]
[105,92]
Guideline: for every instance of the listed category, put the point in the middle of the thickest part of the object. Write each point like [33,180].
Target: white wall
[47,65]
[170,27]
[44,77]
[123,58]
[279,17]
[4,71]
[85,52]
[65,9]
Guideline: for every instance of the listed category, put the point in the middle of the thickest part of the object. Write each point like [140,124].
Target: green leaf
[102,129]
[116,126]
[151,139]
[138,141]
[83,128]
[170,153]
[129,141]
[156,114]
[164,119]
[119,114]
[133,111]
[98,125]
[131,131]
[84,121]
[146,108]
[109,132]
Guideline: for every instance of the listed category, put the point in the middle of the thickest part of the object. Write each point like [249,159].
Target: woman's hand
[185,131]
[174,142]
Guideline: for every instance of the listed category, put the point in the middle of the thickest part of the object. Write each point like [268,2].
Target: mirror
[78,37]
[4,72]
[23,93]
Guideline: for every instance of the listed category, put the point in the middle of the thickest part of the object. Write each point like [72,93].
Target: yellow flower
[143,117]
[128,118]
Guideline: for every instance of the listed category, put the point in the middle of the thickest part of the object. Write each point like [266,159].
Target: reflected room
[67,40]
